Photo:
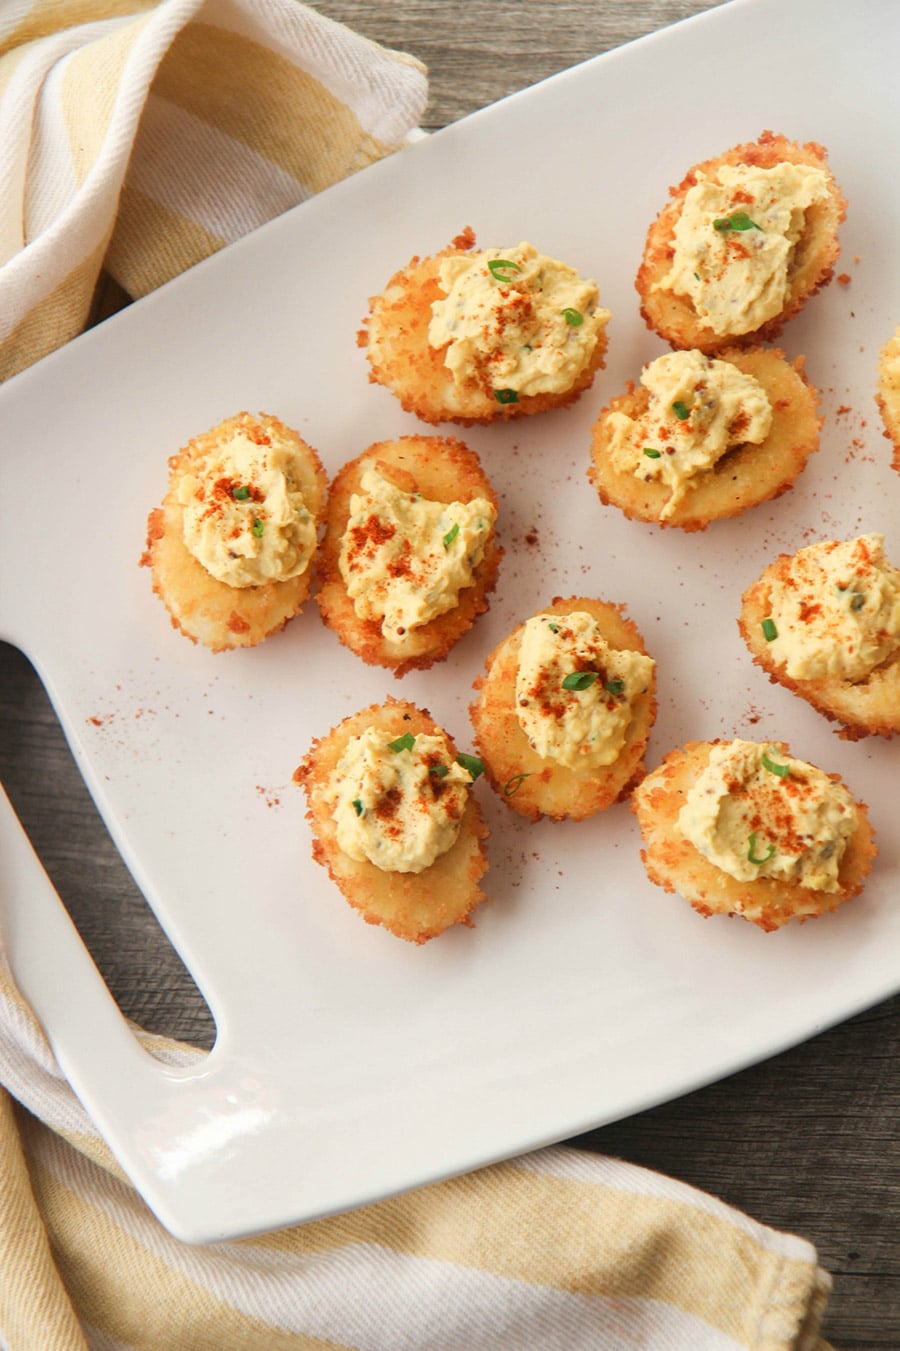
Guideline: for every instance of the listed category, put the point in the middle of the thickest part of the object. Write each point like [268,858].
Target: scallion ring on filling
[471,764]
[580,680]
[358,807]
[403,743]
[506,396]
[738,220]
[783,771]
[751,851]
[651,453]
[241,493]
[256,529]
[451,534]
[769,630]
[501,269]
[574,318]
[681,410]
[615,686]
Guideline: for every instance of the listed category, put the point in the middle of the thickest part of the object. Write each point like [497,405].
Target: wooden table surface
[808,1141]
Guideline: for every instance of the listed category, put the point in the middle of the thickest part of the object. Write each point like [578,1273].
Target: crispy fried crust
[442,469]
[547,788]
[414,906]
[674,864]
[203,608]
[746,475]
[395,335]
[888,393]
[673,317]
[868,707]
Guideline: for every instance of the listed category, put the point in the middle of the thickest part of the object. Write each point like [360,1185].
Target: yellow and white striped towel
[136,137]
[140,137]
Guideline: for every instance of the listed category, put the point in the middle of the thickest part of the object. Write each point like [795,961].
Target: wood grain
[808,1141]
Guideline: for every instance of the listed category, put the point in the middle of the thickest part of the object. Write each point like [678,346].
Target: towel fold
[136,138]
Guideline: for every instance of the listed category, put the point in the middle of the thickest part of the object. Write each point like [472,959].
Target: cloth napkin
[137,137]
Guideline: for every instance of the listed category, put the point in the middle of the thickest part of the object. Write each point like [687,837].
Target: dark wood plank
[808,1141]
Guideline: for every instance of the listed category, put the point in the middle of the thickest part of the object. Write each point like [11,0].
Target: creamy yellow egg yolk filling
[244,518]
[698,409]
[574,692]
[756,812]
[405,559]
[399,801]
[515,321]
[835,612]
[735,242]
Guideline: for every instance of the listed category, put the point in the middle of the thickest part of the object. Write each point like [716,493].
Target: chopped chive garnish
[439,771]
[506,396]
[403,743]
[738,220]
[769,630]
[651,453]
[783,771]
[358,807]
[681,410]
[554,628]
[451,534]
[857,600]
[514,784]
[256,528]
[502,269]
[616,686]
[579,680]
[751,851]
[241,494]
[471,763]
[574,318]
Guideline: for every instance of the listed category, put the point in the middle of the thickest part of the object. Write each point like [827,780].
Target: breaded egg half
[535,785]
[415,906]
[745,475]
[674,863]
[811,247]
[205,491]
[524,335]
[888,391]
[438,470]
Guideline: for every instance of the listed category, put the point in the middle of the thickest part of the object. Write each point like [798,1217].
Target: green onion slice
[358,807]
[783,771]
[256,528]
[857,600]
[451,535]
[514,784]
[751,851]
[506,396]
[651,453]
[439,771]
[616,686]
[403,743]
[580,680]
[502,269]
[241,494]
[738,220]
[471,763]
[574,318]
[681,410]
[769,630]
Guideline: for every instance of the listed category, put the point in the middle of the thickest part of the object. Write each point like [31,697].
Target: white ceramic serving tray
[350,1065]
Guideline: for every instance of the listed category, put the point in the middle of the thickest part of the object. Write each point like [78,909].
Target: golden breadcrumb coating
[888,391]
[207,610]
[865,707]
[527,782]
[673,316]
[414,906]
[745,476]
[442,469]
[674,864]
[395,336]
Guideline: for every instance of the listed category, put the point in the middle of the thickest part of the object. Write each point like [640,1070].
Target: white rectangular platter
[350,1065]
